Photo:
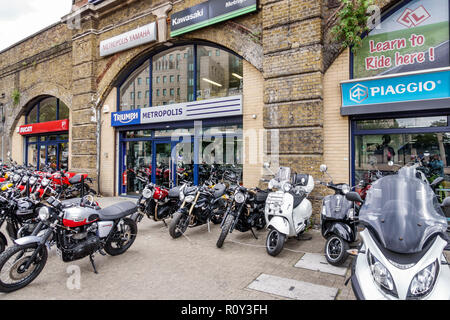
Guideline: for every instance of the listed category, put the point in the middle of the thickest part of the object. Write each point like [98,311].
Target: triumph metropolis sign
[208,13]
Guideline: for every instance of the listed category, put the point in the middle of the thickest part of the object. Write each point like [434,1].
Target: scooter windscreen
[403,212]
[284,174]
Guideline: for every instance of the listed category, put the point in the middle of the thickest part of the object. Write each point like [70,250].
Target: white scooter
[401,255]
[287,211]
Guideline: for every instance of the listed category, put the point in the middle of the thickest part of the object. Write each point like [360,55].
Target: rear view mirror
[266,165]
[354,197]
[323,168]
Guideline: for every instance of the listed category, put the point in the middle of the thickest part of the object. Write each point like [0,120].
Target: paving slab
[318,262]
[293,289]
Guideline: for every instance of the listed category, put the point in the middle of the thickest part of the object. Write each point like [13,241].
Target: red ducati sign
[44,127]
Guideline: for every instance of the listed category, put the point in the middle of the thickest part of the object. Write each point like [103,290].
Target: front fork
[41,245]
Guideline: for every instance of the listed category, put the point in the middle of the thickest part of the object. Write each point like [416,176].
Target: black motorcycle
[77,230]
[338,222]
[245,211]
[200,205]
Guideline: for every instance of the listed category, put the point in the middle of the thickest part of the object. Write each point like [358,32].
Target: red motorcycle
[158,203]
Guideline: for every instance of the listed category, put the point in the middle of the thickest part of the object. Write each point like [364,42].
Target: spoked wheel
[336,250]
[178,225]
[274,242]
[122,239]
[13,274]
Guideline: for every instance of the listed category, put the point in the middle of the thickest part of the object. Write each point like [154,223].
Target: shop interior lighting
[237,76]
[212,82]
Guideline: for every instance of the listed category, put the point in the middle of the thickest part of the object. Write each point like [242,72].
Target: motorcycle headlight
[190,198]
[44,213]
[239,197]
[381,275]
[287,187]
[423,282]
[147,193]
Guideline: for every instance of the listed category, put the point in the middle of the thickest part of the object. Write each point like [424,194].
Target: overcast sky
[22,18]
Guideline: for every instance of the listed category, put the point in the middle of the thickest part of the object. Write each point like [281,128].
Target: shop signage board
[415,37]
[209,13]
[129,40]
[204,109]
[389,90]
[44,127]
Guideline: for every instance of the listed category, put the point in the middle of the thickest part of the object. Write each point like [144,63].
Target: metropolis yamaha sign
[128,40]
[208,13]
[404,92]
[221,107]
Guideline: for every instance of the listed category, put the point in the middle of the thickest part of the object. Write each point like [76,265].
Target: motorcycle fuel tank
[78,216]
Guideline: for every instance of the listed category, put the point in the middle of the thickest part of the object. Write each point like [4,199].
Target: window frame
[149,58]
[37,105]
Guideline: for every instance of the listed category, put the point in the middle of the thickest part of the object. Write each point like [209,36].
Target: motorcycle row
[399,253]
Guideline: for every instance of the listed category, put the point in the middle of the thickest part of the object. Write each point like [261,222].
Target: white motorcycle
[401,255]
[287,211]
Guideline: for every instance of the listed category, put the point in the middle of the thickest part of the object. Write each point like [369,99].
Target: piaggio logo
[413,18]
[359,93]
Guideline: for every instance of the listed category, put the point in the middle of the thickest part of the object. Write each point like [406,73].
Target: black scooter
[338,222]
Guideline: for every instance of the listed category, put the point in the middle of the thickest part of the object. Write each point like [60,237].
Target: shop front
[398,101]
[46,134]
[179,117]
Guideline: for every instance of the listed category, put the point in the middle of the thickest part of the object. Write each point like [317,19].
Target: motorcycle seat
[117,211]
[75,179]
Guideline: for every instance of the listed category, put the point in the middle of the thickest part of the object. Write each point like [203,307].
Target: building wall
[253,127]
[335,127]
[108,177]
[18,142]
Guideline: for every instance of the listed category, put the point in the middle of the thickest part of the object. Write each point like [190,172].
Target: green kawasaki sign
[208,13]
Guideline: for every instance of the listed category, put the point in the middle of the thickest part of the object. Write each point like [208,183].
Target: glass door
[162,173]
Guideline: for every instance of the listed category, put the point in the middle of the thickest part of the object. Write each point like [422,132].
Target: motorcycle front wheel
[225,230]
[336,250]
[178,225]
[275,242]
[122,239]
[13,275]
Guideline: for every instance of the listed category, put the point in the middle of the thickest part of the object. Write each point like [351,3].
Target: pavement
[193,268]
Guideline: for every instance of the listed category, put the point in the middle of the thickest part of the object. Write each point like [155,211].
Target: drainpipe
[99,131]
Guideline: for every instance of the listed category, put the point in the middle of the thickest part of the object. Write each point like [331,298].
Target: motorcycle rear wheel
[225,230]
[122,240]
[18,256]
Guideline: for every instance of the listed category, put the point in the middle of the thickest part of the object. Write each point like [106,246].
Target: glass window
[219,75]
[402,123]
[47,109]
[131,86]
[63,111]
[432,148]
[32,115]
[32,155]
